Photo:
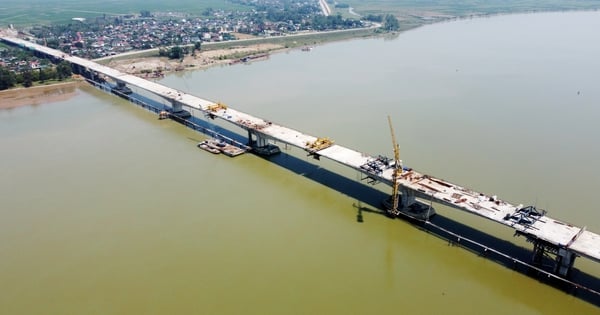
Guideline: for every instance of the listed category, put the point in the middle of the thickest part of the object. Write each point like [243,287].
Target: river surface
[105,209]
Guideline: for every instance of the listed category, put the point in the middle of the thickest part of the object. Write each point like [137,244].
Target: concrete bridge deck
[561,236]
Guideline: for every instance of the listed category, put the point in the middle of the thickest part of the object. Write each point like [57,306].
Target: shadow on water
[581,284]
[323,176]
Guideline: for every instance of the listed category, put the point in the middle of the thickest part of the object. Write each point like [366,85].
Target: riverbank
[148,64]
[126,214]
[37,95]
[154,66]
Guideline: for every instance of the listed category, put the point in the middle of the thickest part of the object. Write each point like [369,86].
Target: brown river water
[106,210]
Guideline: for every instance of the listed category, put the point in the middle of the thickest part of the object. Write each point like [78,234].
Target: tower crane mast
[396,172]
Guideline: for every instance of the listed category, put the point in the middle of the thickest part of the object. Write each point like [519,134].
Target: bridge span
[549,236]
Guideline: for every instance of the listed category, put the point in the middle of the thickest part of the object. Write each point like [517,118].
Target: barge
[219,146]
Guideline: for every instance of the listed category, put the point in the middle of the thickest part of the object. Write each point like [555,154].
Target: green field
[408,8]
[29,12]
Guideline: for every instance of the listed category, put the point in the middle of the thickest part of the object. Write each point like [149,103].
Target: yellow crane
[397,170]
[319,144]
[216,107]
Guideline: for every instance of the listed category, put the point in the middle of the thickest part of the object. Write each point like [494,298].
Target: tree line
[28,77]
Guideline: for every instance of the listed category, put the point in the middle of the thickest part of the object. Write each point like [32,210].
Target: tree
[374,18]
[63,70]
[176,53]
[27,78]
[7,78]
[50,73]
[391,23]
[19,78]
[47,74]
[43,76]
[52,43]
[35,75]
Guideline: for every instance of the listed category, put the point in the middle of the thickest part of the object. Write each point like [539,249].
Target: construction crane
[397,170]
[216,107]
[319,144]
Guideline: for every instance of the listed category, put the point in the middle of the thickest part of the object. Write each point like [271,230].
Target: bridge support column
[176,105]
[121,89]
[564,262]
[563,258]
[408,198]
[78,69]
[257,140]
[84,72]
[91,75]
[177,111]
[261,145]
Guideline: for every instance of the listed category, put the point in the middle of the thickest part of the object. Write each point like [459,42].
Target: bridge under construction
[550,236]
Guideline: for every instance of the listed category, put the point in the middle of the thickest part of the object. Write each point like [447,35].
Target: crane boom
[397,170]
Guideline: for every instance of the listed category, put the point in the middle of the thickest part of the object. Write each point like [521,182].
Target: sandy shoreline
[38,94]
[148,67]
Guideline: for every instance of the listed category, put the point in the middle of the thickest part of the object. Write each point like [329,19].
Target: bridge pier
[44,55]
[562,261]
[78,69]
[256,140]
[84,72]
[91,75]
[121,89]
[176,105]
[408,197]
[261,145]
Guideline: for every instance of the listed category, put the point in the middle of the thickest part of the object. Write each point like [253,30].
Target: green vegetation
[418,12]
[320,22]
[63,70]
[32,12]
[29,77]
[7,79]
[467,7]
[176,52]
[391,23]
